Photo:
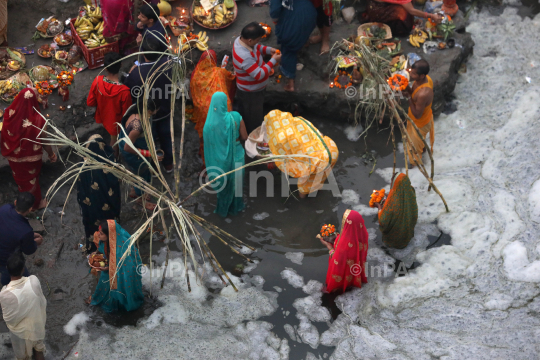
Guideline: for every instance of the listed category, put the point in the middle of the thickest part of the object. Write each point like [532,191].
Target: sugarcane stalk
[181,141]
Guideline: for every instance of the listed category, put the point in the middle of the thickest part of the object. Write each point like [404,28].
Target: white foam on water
[365,210]
[226,323]
[292,278]
[76,322]
[353,132]
[295,257]
[477,298]
[350,197]
[261,216]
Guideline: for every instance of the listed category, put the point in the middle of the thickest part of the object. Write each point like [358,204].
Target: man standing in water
[420,100]
[24,310]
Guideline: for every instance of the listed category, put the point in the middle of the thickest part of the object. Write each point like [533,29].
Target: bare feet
[290,85]
[325,48]
[147,204]
[42,204]
[88,300]
[302,195]
[315,39]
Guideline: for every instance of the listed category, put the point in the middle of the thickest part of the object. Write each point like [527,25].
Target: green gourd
[229,4]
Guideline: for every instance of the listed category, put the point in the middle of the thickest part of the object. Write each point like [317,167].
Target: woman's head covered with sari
[22,121]
[399,214]
[223,153]
[346,266]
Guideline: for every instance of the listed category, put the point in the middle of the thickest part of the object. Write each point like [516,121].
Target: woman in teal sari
[223,152]
[122,292]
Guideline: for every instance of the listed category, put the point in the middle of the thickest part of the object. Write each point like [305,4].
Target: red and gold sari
[207,79]
[346,266]
[20,146]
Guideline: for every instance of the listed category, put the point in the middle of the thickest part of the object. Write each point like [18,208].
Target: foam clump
[295,257]
[292,278]
[353,132]
[77,321]
[261,216]
[350,197]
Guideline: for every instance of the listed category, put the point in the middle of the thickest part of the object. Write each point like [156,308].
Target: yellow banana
[413,42]
[201,47]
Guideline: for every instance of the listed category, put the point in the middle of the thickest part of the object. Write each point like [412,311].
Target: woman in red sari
[20,145]
[206,80]
[346,266]
[398,14]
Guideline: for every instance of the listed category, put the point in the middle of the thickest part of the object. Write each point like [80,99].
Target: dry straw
[184,224]
[376,69]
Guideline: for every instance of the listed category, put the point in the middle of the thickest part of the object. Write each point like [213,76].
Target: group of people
[215,89]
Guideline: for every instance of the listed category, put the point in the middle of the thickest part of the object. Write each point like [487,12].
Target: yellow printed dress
[290,135]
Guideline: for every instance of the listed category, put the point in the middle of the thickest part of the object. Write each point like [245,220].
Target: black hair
[25,200]
[421,67]
[221,55]
[151,105]
[15,263]
[252,31]
[151,44]
[112,58]
[104,227]
[150,11]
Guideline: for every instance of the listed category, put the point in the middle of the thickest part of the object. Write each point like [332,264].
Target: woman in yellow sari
[206,80]
[288,135]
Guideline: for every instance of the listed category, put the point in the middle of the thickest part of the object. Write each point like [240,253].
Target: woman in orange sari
[20,145]
[207,79]
[346,266]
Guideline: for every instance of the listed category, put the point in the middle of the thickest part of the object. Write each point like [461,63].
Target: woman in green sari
[223,152]
[122,292]
[398,216]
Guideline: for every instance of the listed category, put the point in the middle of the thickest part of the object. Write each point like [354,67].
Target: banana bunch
[418,38]
[199,41]
[90,27]
[5,86]
[94,14]
[94,41]
[222,15]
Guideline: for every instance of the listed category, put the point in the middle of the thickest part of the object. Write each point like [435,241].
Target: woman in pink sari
[346,266]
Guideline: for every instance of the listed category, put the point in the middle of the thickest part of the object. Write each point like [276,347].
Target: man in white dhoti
[24,310]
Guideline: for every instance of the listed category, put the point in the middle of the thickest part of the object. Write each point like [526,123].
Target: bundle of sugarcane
[376,71]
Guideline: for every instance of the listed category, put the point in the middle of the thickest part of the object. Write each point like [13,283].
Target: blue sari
[122,292]
[294,26]
[223,153]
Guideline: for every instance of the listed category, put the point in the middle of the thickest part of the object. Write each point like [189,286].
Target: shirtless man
[420,99]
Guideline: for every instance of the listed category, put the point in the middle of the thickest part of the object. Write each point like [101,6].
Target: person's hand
[277,56]
[52,157]
[273,51]
[436,17]
[38,239]
[140,25]
[105,268]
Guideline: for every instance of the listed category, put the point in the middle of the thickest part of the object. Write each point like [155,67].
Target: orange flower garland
[376,197]
[336,79]
[65,78]
[43,88]
[398,82]
[266,28]
[328,230]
